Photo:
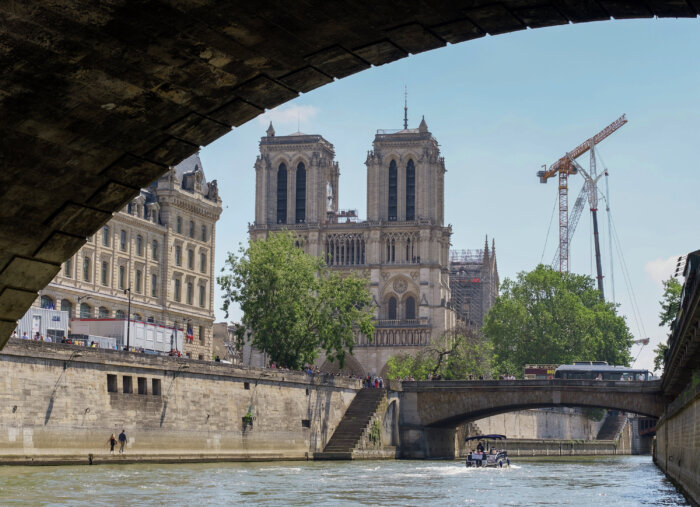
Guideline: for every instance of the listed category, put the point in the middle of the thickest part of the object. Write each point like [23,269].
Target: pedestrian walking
[112,442]
[122,441]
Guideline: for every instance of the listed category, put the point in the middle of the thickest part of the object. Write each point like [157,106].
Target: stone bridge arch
[431,411]
[90,115]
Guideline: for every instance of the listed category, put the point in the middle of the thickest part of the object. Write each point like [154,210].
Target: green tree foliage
[292,304]
[549,317]
[670,301]
[670,304]
[453,356]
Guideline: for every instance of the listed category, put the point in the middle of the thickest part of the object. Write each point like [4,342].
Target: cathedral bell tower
[406,177]
[296,180]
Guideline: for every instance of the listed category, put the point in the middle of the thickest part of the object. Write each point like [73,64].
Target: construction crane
[565,166]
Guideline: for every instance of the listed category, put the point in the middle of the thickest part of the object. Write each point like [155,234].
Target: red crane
[565,166]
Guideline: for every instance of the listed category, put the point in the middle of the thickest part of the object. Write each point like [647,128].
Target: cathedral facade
[402,248]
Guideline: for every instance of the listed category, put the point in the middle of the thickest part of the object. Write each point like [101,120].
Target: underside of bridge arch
[460,419]
[97,99]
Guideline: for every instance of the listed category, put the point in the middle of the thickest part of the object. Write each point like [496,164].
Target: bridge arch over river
[430,412]
[99,98]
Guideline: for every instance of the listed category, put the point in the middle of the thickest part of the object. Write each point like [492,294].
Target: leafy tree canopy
[670,301]
[453,356]
[292,304]
[670,304]
[549,317]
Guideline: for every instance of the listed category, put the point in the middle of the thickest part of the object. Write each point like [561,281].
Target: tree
[455,355]
[670,304]
[549,317]
[670,301]
[292,305]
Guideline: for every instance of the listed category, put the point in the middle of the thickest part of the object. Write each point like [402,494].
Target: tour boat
[487,455]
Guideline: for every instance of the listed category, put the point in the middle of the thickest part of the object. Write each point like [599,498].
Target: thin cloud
[661,269]
[294,116]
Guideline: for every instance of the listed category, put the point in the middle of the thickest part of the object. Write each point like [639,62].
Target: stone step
[354,423]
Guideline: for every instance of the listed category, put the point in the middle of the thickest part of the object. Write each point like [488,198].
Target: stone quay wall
[677,446]
[536,424]
[60,404]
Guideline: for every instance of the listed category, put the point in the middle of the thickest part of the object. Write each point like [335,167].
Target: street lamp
[128,315]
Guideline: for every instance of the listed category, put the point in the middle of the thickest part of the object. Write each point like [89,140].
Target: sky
[502,107]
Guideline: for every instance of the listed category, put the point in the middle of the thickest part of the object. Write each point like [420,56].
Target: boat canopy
[486,437]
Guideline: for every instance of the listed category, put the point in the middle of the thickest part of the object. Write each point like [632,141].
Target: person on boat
[480,447]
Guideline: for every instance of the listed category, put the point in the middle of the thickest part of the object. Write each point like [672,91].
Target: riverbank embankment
[59,404]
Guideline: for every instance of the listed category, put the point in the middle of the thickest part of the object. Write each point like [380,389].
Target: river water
[608,481]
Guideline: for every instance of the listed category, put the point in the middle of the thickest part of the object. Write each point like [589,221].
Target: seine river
[607,481]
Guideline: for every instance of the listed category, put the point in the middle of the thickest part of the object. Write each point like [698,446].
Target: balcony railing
[419,322]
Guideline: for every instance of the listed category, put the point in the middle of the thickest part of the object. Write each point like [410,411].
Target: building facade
[402,248]
[160,248]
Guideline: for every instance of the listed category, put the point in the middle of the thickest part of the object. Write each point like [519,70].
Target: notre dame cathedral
[403,247]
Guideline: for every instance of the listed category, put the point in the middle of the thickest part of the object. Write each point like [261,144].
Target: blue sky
[501,107]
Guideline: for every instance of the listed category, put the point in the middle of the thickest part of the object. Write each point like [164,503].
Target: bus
[540,371]
[599,370]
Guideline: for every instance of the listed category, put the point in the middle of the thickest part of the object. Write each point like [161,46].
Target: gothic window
[410,308]
[85,311]
[47,303]
[391,314]
[282,194]
[103,313]
[190,258]
[393,190]
[105,268]
[202,296]
[122,240]
[191,229]
[203,262]
[410,191]
[86,269]
[391,250]
[122,272]
[204,233]
[67,306]
[139,245]
[178,225]
[68,268]
[301,194]
[139,280]
[154,250]
[178,255]
[154,285]
[105,235]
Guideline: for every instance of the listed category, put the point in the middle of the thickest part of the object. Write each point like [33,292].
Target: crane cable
[626,277]
[551,219]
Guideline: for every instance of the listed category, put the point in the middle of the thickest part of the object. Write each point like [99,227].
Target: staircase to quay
[354,425]
[612,426]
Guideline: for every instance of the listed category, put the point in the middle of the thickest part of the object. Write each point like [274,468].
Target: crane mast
[565,166]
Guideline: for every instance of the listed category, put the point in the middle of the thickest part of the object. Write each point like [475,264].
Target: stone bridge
[431,411]
[97,99]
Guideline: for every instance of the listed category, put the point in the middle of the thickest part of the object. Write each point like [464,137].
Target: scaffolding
[467,286]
